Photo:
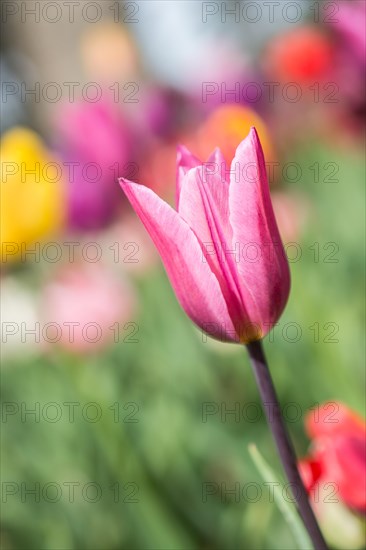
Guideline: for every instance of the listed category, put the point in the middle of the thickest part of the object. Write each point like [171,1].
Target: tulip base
[283,442]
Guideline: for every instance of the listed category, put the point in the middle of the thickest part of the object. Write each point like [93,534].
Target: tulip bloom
[303,55]
[221,248]
[32,196]
[88,303]
[95,144]
[338,453]
[350,25]
[225,127]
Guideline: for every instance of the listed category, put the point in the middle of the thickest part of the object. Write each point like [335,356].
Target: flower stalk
[283,442]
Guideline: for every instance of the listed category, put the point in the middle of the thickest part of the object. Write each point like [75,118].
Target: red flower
[338,453]
[302,55]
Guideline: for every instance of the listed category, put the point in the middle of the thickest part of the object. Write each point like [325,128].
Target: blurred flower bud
[91,305]
[302,55]
[96,145]
[32,193]
[227,126]
[109,53]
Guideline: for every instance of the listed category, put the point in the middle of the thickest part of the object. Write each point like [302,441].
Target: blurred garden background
[122,425]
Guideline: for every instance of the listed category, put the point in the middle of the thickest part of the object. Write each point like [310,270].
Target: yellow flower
[32,193]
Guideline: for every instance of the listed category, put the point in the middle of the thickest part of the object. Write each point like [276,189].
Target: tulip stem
[284,445]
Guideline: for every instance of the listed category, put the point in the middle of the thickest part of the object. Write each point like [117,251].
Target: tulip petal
[196,287]
[334,418]
[349,469]
[263,265]
[219,164]
[204,205]
[185,161]
[197,184]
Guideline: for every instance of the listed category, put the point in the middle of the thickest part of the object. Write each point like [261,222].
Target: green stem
[284,445]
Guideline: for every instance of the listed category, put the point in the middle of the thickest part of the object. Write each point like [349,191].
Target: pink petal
[219,166]
[185,161]
[204,205]
[265,279]
[195,285]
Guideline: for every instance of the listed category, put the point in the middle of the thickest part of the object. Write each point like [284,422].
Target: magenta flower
[93,146]
[221,248]
[350,25]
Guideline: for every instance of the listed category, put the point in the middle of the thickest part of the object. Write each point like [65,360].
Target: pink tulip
[94,141]
[89,305]
[221,249]
[350,25]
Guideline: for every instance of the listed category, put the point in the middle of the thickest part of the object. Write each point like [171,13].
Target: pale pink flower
[87,307]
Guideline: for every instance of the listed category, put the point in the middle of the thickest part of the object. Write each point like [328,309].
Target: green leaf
[286,508]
